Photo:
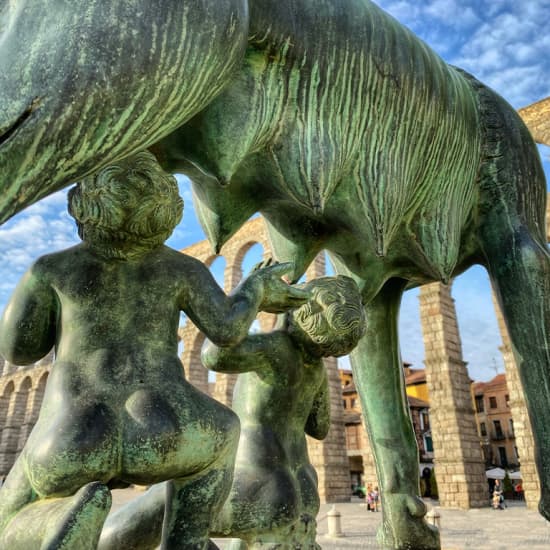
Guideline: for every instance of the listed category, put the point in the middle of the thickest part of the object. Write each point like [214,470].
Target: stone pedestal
[458,459]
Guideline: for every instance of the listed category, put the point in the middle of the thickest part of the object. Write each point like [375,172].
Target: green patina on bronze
[281,395]
[84,84]
[356,138]
[339,125]
[117,409]
[367,116]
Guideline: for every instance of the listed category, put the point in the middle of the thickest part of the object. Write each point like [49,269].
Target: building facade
[495,424]
[356,435]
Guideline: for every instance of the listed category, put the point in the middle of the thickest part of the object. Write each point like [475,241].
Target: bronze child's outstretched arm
[252,354]
[226,319]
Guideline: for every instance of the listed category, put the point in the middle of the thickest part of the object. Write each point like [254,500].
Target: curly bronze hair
[127,208]
[334,319]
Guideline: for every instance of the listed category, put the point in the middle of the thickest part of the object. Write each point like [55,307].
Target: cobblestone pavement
[515,528]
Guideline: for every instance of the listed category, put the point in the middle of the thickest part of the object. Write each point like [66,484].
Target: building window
[353,403]
[428,443]
[493,402]
[507,399]
[482,429]
[502,456]
[512,434]
[424,420]
[498,429]
[479,403]
[345,403]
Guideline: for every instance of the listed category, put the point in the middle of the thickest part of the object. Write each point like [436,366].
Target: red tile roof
[482,387]
[417,403]
[415,376]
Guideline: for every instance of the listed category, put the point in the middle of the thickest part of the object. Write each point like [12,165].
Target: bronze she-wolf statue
[340,126]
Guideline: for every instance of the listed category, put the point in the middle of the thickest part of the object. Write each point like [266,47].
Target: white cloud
[502,42]
[407,13]
[41,228]
[451,12]
[21,229]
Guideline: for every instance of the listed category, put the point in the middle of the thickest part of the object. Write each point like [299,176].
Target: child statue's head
[128,208]
[333,319]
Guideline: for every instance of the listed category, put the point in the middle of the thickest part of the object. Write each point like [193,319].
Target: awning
[495,473]
[499,473]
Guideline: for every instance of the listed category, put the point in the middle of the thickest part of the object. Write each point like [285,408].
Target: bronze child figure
[117,409]
[281,395]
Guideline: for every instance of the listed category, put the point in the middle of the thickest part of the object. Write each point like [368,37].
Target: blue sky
[504,43]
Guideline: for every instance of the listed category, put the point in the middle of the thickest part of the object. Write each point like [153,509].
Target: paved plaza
[515,528]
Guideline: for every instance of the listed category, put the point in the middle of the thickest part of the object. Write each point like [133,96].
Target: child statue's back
[117,409]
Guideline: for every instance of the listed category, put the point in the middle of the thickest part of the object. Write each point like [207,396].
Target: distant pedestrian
[497,501]
[369,496]
[375,499]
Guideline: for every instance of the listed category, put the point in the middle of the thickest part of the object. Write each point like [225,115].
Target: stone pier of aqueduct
[458,457]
